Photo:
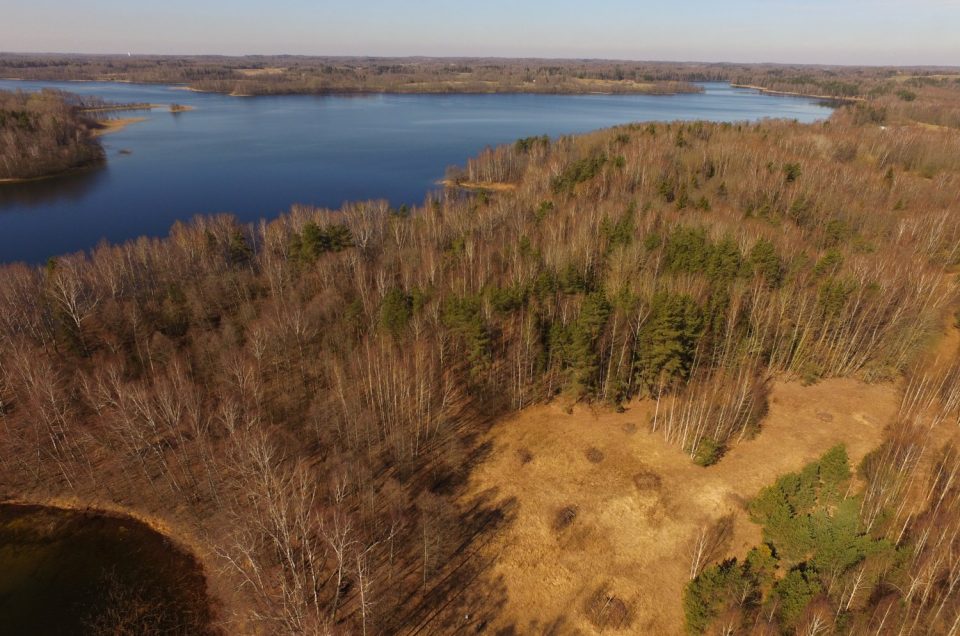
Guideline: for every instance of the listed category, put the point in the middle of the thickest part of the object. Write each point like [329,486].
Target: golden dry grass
[257,72]
[606,509]
[108,126]
[609,85]
[492,186]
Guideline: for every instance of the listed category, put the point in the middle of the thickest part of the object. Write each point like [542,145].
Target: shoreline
[108,126]
[180,536]
[184,87]
[161,525]
[362,92]
[73,170]
[119,108]
[55,175]
[458,93]
[773,92]
[478,185]
[105,127]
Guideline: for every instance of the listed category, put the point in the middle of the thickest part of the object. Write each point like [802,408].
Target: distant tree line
[282,74]
[271,75]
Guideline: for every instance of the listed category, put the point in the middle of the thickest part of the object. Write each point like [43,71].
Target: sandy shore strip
[188,89]
[108,126]
[478,185]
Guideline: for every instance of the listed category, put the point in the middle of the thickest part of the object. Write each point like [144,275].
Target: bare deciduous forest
[284,74]
[303,401]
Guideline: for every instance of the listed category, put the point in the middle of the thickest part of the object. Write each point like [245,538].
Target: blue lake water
[255,157]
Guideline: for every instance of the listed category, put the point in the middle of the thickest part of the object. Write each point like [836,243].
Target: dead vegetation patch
[259,72]
[524,455]
[646,480]
[564,518]
[594,455]
[605,610]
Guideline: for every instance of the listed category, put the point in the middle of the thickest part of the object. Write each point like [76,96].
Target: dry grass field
[607,512]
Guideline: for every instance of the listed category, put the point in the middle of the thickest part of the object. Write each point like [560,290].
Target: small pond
[71,572]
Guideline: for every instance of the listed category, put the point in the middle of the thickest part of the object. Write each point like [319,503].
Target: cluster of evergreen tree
[312,241]
[818,564]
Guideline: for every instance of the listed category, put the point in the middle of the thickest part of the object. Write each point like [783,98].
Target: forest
[303,400]
[43,134]
[284,74]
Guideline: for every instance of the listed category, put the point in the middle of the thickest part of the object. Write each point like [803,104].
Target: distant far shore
[770,91]
[582,87]
[339,76]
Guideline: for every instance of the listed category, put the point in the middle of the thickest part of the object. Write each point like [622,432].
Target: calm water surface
[254,157]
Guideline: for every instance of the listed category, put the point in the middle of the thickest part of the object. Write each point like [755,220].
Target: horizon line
[482,57]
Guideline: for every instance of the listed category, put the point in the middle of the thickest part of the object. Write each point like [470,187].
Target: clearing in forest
[607,513]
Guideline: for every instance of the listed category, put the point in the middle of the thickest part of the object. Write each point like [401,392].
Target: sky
[881,32]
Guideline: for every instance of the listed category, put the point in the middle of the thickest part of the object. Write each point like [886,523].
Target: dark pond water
[74,573]
[254,157]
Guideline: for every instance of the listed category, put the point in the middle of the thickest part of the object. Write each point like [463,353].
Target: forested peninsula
[44,134]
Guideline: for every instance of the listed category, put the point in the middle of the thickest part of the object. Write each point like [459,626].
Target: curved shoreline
[478,185]
[54,175]
[108,126]
[178,543]
[180,538]
[770,91]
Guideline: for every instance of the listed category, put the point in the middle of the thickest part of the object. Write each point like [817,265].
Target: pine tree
[667,343]
[396,311]
[582,348]
[766,263]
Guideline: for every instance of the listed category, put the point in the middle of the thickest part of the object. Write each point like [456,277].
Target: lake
[256,156]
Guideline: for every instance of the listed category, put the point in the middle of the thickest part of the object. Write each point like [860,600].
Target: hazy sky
[822,31]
